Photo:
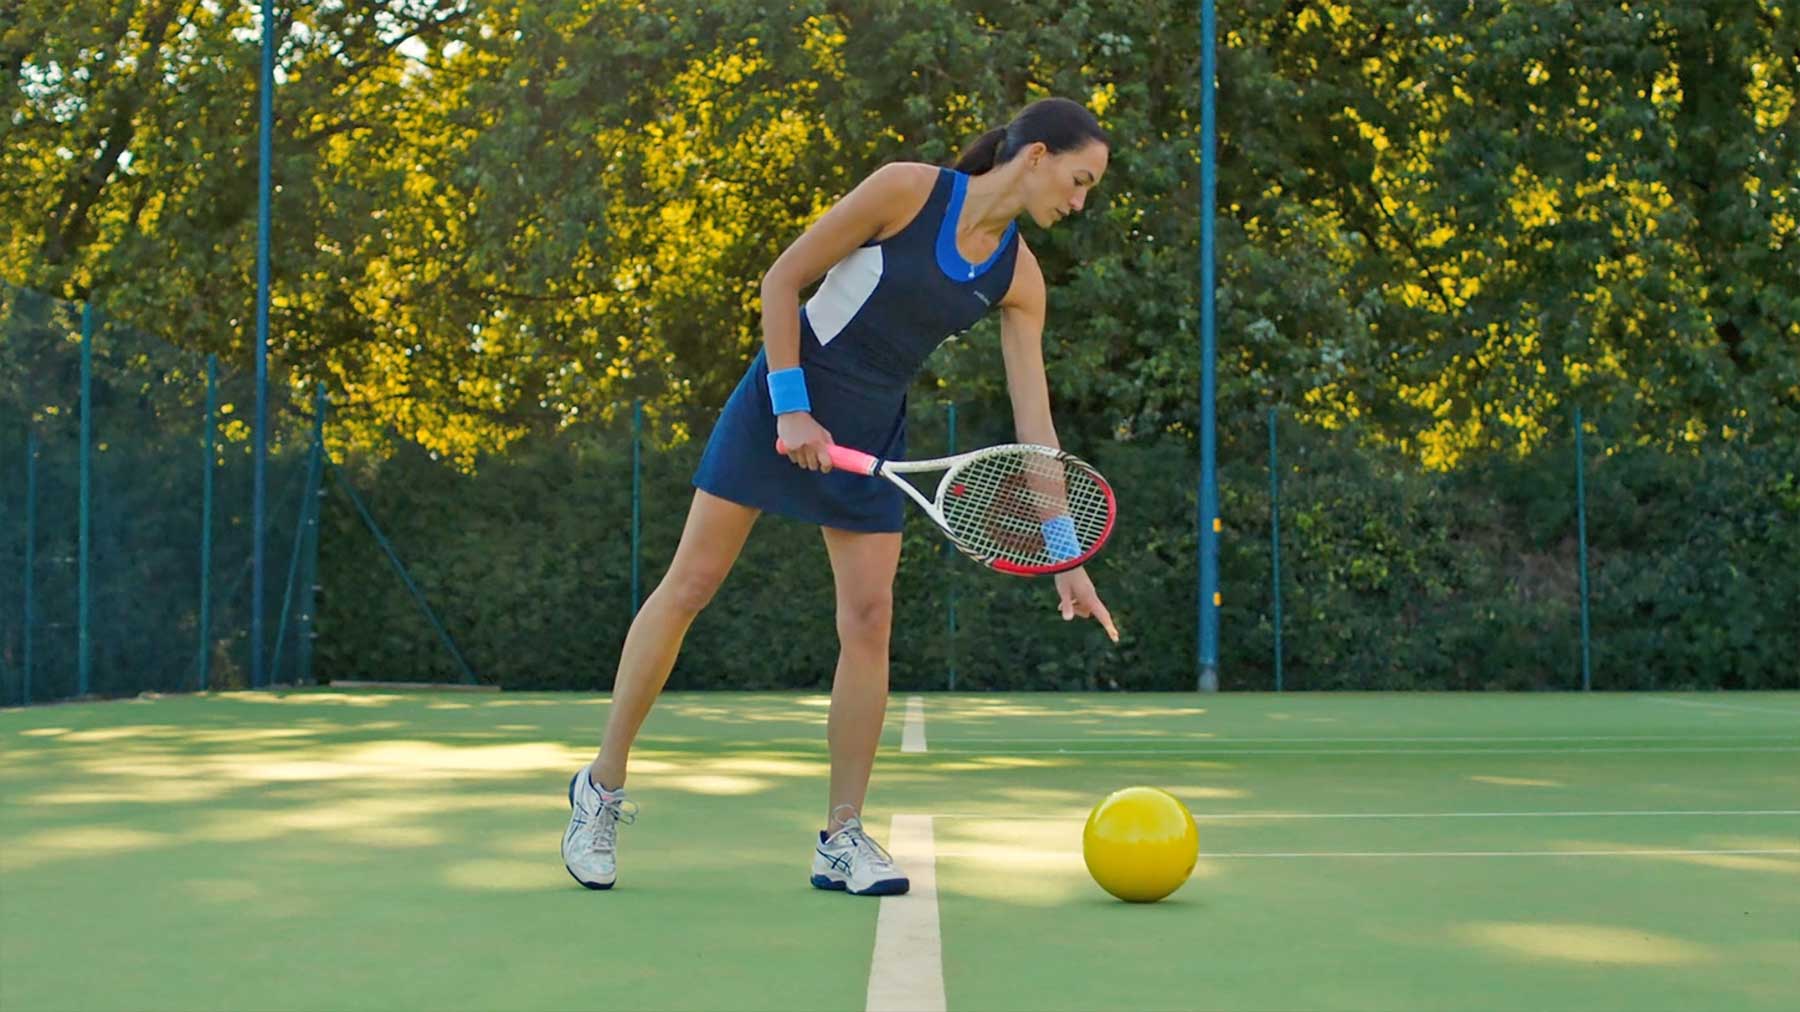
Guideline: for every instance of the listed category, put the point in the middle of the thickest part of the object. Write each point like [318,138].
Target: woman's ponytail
[1057,123]
[983,154]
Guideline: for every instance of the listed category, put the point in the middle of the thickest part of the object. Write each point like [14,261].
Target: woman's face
[1057,185]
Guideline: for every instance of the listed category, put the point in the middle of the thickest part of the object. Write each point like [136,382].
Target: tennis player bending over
[914,254]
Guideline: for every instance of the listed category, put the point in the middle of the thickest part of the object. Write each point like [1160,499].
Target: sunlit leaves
[1445,222]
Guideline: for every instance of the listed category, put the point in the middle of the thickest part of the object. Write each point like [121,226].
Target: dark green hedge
[1393,578]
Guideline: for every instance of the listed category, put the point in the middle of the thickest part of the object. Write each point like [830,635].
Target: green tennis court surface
[338,850]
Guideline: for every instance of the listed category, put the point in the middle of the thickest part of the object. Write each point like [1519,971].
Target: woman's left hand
[1080,599]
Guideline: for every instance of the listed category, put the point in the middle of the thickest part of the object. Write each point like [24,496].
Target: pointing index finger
[1105,619]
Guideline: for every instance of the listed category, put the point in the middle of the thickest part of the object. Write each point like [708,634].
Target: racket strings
[998,506]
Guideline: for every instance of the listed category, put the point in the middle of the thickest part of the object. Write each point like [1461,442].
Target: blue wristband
[1060,540]
[787,391]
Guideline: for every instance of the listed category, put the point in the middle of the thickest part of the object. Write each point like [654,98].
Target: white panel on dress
[845,289]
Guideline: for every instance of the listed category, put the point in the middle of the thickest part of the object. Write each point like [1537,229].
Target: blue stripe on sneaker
[885,887]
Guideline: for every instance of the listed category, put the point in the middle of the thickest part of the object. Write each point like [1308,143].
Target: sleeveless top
[884,308]
[864,334]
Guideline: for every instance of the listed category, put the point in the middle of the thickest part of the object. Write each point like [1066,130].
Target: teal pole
[1209,484]
[944,547]
[637,498]
[30,553]
[209,447]
[1587,672]
[1275,540]
[84,667]
[260,458]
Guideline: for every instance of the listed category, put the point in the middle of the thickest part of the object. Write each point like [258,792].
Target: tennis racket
[1018,508]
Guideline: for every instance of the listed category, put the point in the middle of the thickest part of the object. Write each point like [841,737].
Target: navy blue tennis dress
[863,336]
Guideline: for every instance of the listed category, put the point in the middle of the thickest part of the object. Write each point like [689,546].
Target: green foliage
[1435,219]
[1440,227]
[1697,576]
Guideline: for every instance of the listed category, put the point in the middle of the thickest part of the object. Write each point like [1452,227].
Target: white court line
[1158,739]
[907,973]
[912,739]
[1253,855]
[1295,855]
[1738,707]
[1358,751]
[1283,816]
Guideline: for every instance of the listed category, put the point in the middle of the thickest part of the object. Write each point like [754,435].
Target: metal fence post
[1587,673]
[84,667]
[637,499]
[1275,540]
[1209,527]
[30,555]
[209,445]
[297,577]
[308,632]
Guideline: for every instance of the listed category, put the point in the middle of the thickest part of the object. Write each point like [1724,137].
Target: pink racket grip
[844,457]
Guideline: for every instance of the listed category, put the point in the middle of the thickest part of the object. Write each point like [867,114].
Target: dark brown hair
[1060,124]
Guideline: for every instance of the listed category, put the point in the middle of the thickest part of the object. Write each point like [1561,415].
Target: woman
[914,254]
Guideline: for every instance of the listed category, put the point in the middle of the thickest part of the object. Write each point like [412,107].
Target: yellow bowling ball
[1140,844]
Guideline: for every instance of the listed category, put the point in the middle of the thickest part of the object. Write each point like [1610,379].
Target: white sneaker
[590,844]
[848,860]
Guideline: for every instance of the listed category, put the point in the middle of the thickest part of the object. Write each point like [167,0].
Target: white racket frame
[868,464]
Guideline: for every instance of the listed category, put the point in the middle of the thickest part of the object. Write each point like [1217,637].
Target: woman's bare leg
[863,567]
[710,542]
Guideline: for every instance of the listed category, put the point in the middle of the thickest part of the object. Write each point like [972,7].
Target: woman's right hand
[807,442]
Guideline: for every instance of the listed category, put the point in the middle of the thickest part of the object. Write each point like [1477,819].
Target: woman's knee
[710,543]
[691,588]
[866,616]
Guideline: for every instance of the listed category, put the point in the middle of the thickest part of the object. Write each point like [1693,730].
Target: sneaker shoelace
[877,855]
[607,820]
